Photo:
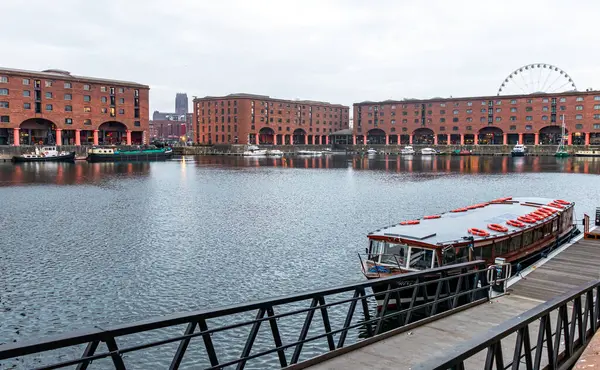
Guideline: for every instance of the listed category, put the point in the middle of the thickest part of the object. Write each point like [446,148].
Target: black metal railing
[576,318]
[271,333]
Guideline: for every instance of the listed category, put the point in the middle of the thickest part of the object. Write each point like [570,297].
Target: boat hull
[60,158]
[93,157]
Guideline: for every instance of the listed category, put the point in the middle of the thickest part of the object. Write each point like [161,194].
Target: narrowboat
[45,154]
[517,230]
[116,155]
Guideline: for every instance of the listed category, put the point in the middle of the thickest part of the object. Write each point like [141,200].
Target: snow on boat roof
[452,227]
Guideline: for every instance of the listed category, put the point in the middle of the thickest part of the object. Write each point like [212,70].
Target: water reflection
[68,173]
[463,164]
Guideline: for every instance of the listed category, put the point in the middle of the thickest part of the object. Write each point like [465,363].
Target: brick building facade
[56,107]
[262,120]
[530,119]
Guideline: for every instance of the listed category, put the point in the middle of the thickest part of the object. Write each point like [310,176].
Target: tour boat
[254,151]
[407,150]
[116,155]
[312,153]
[587,153]
[46,154]
[518,150]
[428,151]
[372,151]
[516,229]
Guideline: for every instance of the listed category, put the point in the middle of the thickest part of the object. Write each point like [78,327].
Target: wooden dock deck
[563,270]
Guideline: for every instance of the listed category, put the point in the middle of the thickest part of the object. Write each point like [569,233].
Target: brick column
[570,139]
[257,138]
[462,139]
[587,138]
[58,136]
[537,139]
[505,139]
[305,139]
[435,139]
[95,136]
[410,139]
[448,139]
[353,139]
[128,137]
[387,139]
[77,137]
[521,139]
[16,137]
[476,139]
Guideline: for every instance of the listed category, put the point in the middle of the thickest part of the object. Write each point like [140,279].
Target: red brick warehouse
[54,106]
[528,109]
[530,119]
[262,120]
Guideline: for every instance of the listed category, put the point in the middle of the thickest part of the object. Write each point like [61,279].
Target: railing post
[182,347]
[348,320]
[276,337]
[251,338]
[304,331]
[326,323]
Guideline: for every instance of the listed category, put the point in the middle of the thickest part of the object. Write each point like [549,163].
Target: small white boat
[45,154]
[312,153]
[254,151]
[518,150]
[371,151]
[428,151]
[407,150]
[275,153]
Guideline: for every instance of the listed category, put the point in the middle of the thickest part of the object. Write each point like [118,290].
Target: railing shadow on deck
[576,318]
[254,334]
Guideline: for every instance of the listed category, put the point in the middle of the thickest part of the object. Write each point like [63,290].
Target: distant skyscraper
[181,103]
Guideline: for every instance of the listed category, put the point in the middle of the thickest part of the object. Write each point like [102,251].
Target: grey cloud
[339,51]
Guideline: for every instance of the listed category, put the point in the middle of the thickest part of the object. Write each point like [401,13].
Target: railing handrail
[464,351]
[96,333]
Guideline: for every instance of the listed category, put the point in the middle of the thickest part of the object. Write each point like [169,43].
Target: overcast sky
[341,51]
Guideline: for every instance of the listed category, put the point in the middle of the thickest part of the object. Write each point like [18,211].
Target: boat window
[395,254]
[455,255]
[555,225]
[537,233]
[547,229]
[421,258]
[515,243]
[527,238]
[501,247]
[486,252]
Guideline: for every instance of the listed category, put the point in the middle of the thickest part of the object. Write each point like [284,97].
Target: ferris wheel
[535,78]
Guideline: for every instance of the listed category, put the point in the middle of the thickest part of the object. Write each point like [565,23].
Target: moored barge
[516,230]
[115,155]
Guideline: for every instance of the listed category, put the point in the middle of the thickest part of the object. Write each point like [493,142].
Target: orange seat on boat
[497,227]
[563,202]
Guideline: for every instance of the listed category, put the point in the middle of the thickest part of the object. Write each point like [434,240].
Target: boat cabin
[101,151]
[515,229]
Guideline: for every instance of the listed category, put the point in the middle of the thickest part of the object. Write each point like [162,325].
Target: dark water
[84,244]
